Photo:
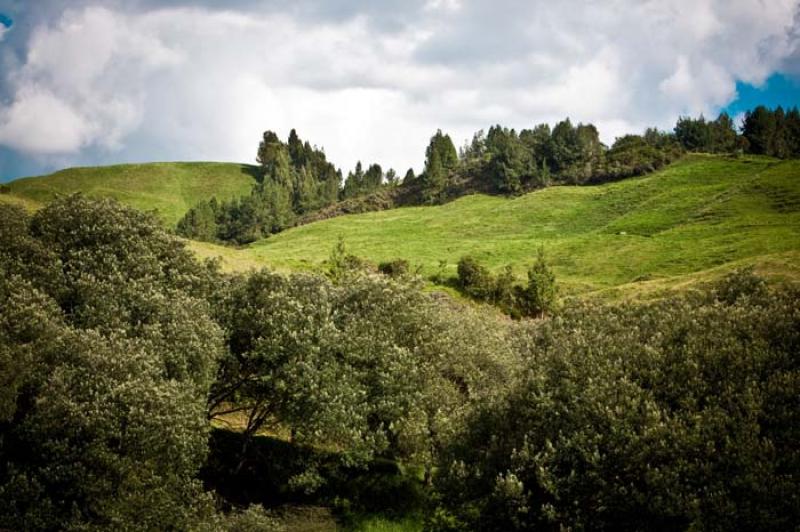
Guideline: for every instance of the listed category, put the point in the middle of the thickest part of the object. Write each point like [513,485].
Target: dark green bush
[474,279]
[395,268]
[681,414]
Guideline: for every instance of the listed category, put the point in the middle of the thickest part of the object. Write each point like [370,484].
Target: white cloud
[189,83]
[39,122]
[3,30]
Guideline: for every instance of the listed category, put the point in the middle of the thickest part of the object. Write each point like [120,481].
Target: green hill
[692,221]
[168,188]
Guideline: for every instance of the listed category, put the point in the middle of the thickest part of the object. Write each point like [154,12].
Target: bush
[681,414]
[395,268]
[107,353]
[474,279]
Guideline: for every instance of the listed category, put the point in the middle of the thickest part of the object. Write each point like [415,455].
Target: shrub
[474,279]
[680,414]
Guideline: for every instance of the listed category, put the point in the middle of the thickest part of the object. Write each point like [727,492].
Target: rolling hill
[690,222]
[170,189]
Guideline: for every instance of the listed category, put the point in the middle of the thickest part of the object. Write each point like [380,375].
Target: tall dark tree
[509,161]
[440,159]
[565,146]
[373,177]
[694,133]
[759,129]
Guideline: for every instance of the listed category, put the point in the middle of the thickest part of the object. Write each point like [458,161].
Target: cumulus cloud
[182,82]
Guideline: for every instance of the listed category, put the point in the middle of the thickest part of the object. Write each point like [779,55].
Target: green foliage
[633,155]
[699,135]
[474,279]
[440,159]
[365,366]
[681,414]
[539,297]
[296,179]
[397,268]
[535,299]
[509,161]
[772,132]
[108,353]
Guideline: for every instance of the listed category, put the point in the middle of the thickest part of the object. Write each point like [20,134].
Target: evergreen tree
[694,134]
[565,146]
[440,159]
[509,161]
[759,130]
[723,134]
[373,178]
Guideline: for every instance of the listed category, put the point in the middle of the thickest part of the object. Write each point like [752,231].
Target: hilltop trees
[775,133]
[298,184]
[440,159]
[359,182]
[295,179]
[718,136]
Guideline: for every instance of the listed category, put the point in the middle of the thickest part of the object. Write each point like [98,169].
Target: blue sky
[778,90]
[86,82]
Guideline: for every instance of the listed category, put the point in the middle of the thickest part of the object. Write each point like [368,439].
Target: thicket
[298,185]
[107,354]
[676,415]
[117,347]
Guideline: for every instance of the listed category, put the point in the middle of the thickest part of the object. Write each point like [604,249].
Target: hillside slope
[692,221]
[168,188]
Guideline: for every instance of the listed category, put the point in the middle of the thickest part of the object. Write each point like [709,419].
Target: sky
[97,82]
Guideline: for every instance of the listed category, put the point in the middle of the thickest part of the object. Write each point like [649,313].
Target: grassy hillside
[168,188]
[690,222]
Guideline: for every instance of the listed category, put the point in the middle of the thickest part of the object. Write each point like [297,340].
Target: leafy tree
[509,162]
[694,134]
[723,134]
[269,151]
[354,184]
[565,146]
[368,366]
[539,297]
[296,149]
[107,363]
[474,279]
[200,222]
[680,414]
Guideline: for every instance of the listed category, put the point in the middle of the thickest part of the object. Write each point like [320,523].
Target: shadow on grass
[381,492]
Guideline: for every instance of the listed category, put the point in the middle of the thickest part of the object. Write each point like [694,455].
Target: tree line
[296,182]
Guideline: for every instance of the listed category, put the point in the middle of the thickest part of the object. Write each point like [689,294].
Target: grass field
[691,222]
[168,188]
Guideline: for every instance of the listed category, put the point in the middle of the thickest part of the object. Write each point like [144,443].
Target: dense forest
[297,184]
[118,348]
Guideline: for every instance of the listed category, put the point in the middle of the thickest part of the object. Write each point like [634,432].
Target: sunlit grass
[689,223]
[169,189]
